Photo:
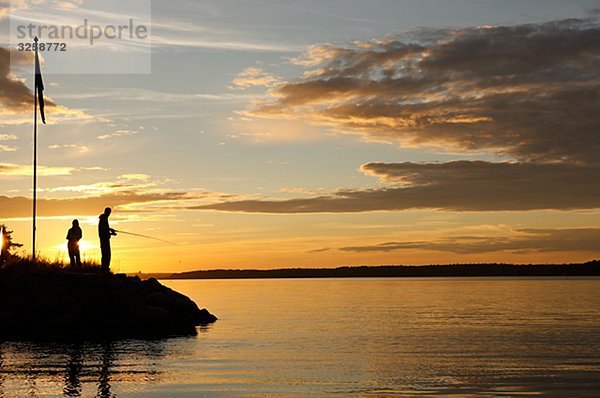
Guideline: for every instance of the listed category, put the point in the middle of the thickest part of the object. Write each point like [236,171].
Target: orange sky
[328,138]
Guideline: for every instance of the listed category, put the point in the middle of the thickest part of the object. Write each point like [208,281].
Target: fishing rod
[147,237]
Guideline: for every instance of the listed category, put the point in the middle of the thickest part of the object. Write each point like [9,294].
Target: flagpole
[35,103]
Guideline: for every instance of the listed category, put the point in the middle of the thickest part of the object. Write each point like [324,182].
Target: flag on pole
[39,84]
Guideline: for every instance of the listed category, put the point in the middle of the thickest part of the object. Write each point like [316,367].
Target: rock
[204,317]
[68,305]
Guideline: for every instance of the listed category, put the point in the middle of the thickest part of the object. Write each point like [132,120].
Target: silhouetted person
[74,236]
[73,386]
[104,233]
[105,371]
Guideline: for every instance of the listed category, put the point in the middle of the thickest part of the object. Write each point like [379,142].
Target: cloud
[523,241]
[70,147]
[94,168]
[527,92]
[317,251]
[5,8]
[68,5]
[303,191]
[170,33]
[14,94]
[254,77]
[530,92]
[7,148]
[124,183]
[17,207]
[130,94]
[452,186]
[118,133]
[135,177]
[7,137]
[16,98]
[7,169]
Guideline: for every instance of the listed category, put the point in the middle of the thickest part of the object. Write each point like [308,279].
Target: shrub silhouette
[6,244]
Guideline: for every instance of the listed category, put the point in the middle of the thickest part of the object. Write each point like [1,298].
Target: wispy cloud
[118,133]
[316,251]
[7,169]
[68,4]
[254,77]
[15,207]
[7,137]
[79,149]
[305,191]
[145,95]
[128,195]
[123,183]
[524,241]
[179,33]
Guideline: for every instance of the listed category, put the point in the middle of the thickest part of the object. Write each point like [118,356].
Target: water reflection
[107,362]
[1,375]
[79,369]
[72,375]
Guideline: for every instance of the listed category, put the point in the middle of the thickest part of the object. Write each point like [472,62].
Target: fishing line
[147,237]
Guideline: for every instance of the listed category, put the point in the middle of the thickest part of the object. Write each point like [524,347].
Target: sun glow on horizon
[88,250]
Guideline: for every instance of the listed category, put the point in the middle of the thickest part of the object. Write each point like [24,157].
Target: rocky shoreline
[64,305]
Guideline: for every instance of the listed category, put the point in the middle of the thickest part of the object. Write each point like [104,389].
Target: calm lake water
[476,337]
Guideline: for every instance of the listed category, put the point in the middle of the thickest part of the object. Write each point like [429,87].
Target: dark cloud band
[16,207]
[523,242]
[454,186]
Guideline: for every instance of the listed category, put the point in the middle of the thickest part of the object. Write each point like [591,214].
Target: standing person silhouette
[104,233]
[74,236]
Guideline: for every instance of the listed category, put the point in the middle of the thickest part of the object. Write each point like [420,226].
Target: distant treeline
[591,268]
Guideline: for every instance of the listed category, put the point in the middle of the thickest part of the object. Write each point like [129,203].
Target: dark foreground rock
[76,305]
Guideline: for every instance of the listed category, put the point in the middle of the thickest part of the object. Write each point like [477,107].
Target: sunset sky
[320,133]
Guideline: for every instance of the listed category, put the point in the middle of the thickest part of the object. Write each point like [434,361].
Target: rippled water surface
[347,337]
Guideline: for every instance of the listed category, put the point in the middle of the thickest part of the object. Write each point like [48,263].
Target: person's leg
[104,255]
[108,256]
[105,248]
[78,258]
[71,257]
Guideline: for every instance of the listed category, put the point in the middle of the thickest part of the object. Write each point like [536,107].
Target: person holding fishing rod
[105,232]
